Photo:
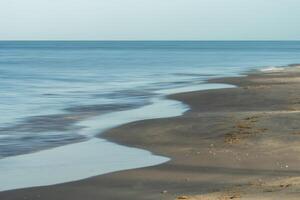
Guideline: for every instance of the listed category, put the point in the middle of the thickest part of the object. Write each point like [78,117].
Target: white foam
[270,69]
[205,86]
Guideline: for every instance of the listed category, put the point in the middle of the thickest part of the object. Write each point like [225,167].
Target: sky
[149,20]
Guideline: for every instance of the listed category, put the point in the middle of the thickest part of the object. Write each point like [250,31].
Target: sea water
[55,97]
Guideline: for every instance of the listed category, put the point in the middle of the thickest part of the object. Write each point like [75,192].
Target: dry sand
[238,143]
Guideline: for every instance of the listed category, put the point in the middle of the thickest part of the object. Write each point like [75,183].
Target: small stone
[183,197]
[164,192]
[285,185]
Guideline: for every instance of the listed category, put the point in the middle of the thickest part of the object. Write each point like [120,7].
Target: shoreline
[206,156]
[88,163]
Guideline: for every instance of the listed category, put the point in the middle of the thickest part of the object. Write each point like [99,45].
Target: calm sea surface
[48,88]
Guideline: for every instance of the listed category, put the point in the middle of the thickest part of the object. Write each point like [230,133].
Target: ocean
[57,96]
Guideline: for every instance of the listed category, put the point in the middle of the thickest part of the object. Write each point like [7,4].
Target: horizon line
[146,40]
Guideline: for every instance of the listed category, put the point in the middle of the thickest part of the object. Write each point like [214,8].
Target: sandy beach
[237,143]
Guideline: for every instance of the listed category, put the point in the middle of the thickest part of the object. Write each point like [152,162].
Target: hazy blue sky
[150,19]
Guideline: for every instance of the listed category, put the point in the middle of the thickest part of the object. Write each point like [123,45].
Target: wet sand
[238,143]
